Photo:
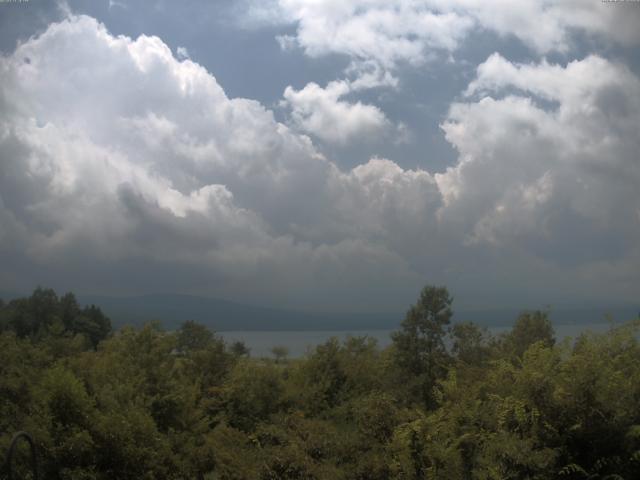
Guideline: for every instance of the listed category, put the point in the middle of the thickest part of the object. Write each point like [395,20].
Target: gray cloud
[557,182]
[162,165]
[127,169]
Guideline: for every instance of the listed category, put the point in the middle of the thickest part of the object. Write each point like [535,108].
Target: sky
[325,155]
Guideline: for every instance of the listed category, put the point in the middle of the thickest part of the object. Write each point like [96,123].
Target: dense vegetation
[444,401]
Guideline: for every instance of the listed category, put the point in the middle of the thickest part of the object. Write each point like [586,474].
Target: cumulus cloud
[547,174]
[122,165]
[548,25]
[374,31]
[321,111]
[548,159]
[115,150]
[379,36]
[389,33]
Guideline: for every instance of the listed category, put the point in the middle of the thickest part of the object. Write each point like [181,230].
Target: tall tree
[193,336]
[419,345]
[92,323]
[530,327]
[470,343]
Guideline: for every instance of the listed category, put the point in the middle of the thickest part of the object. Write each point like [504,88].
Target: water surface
[300,342]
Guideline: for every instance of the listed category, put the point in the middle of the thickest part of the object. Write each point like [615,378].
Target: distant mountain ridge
[171,310]
[224,315]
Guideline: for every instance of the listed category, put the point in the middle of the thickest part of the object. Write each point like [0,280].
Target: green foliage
[43,314]
[530,327]
[239,349]
[419,346]
[280,353]
[149,404]
[251,394]
[470,343]
[193,337]
[334,374]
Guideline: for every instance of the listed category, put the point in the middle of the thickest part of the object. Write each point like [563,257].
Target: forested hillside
[149,404]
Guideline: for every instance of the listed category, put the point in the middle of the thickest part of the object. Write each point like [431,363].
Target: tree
[470,343]
[419,346]
[69,310]
[31,316]
[251,394]
[92,323]
[193,336]
[240,349]
[530,327]
[43,314]
[322,377]
[280,353]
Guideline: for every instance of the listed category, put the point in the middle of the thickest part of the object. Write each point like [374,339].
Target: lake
[299,342]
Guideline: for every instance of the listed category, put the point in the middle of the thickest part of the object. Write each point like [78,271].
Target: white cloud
[548,25]
[123,166]
[556,179]
[410,31]
[118,155]
[116,3]
[379,36]
[573,83]
[252,14]
[286,42]
[385,33]
[182,53]
[321,111]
